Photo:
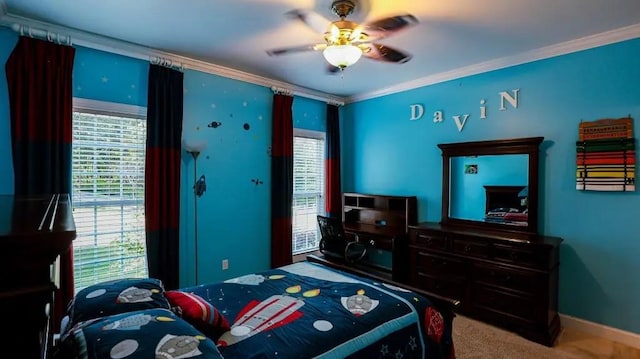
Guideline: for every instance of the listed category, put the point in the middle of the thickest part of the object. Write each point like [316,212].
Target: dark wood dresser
[507,282]
[34,231]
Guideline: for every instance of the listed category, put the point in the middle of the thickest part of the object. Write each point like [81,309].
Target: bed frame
[441,301]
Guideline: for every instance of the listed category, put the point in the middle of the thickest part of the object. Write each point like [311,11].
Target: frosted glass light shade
[342,55]
[194,146]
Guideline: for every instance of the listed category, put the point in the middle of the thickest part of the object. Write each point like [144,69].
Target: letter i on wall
[483,109]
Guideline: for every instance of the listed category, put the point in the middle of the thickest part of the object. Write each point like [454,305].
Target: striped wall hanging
[606,156]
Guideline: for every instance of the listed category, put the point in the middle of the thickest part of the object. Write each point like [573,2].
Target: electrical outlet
[225,264]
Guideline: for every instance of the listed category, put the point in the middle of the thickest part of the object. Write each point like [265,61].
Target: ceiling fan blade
[334,33]
[311,18]
[294,49]
[356,34]
[381,28]
[385,53]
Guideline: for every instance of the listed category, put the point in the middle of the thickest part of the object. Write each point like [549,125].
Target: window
[308,189]
[108,192]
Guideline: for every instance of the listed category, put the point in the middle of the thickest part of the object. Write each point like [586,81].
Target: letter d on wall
[417,110]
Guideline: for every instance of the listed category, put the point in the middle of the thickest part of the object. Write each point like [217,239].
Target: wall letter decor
[438,116]
[513,100]
[417,110]
[460,124]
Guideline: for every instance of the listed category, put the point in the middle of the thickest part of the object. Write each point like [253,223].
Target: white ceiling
[452,37]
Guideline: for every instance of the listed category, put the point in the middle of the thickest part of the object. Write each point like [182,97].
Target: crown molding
[129,49]
[563,48]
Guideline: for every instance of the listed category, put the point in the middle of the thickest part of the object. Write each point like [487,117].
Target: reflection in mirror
[506,182]
[489,188]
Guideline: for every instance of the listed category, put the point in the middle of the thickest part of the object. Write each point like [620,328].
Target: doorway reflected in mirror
[492,193]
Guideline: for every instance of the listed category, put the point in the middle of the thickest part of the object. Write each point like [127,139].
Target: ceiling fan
[346,41]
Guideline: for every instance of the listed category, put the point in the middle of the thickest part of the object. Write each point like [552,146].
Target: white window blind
[108,197]
[308,189]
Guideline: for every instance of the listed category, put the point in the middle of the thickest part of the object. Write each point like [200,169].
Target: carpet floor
[476,340]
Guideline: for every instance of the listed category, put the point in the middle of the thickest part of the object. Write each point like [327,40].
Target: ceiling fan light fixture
[342,56]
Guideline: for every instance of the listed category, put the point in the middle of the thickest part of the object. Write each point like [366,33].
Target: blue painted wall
[233,214]
[103,76]
[385,152]
[234,220]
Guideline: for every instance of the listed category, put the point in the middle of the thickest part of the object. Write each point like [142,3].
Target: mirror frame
[529,146]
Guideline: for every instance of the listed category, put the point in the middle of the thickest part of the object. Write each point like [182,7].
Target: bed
[303,310]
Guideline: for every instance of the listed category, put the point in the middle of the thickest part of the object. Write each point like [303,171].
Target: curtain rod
[166,62]
[285,91]
[281,91]
[66,40]
[42,34]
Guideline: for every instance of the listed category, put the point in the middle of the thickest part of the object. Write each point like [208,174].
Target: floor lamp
[199,186]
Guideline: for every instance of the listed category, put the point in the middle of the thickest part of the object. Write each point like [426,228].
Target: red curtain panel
[281,181]
[162,173]
[333,187]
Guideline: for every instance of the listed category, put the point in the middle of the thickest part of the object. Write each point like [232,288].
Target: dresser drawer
[450,288]
[469,247]
[526,256]
[524,281]
[433,240]
[439,265]
[487,299]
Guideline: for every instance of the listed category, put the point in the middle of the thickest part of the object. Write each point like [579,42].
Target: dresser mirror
[491,185]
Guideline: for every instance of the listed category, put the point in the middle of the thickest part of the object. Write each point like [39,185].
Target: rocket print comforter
[306,310]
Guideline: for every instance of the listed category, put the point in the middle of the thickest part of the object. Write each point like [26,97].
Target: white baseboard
[602,331]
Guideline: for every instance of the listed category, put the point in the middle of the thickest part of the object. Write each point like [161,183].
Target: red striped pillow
[200,313]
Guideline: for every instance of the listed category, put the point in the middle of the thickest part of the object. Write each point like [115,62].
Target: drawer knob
[429,240]
[372,242]
[514,255]
[467,248]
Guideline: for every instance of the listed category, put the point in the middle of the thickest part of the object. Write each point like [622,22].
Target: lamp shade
[194,146]
[342,55]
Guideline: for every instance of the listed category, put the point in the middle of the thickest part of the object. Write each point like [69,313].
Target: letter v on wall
[460,124]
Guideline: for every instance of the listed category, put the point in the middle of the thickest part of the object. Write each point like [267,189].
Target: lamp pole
[199,186]
[195,155]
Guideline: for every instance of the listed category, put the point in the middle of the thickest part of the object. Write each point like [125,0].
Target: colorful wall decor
[606,155]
